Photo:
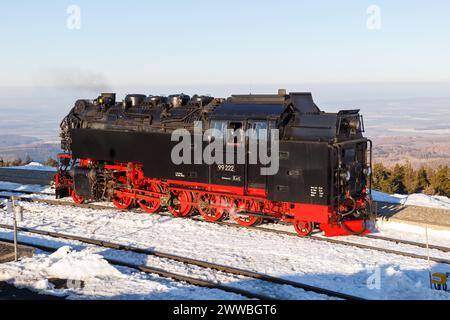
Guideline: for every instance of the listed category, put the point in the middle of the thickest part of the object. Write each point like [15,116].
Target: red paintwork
[184,196]
[76,198]
[64,156]
[335,230]
[312,212]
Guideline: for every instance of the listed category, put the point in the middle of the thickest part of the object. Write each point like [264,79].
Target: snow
[67,264]
[19,187]
[34,166]
[101,280]
[417,199]
[241,282]
[335,267]
[403,231]
[27,187]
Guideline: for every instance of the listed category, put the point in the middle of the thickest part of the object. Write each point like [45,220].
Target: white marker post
[10,210]
[428,255]
[15,211]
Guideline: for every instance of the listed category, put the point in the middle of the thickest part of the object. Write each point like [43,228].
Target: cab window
[235,133]
[261,130]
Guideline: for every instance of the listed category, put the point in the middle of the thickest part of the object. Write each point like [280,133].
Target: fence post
[12,208]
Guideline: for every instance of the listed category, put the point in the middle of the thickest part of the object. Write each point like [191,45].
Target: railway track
[272,230]
[163,273]
[185,260]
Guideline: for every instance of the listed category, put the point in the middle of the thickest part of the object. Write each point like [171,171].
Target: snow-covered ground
[336,267]
[34,166]
[417,199]
[24,187]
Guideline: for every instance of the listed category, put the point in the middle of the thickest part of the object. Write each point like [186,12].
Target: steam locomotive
[124,152]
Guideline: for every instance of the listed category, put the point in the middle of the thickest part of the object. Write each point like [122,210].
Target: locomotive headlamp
[353,123]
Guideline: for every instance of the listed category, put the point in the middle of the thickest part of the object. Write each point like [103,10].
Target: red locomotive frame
[247,207]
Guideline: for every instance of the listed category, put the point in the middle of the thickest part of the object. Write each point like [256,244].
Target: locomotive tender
[121,152]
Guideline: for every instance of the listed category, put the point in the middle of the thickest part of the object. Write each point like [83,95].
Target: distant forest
[20,162]
[401,178]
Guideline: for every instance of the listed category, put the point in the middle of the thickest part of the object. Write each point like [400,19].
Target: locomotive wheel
[151,206]
[180,203]
[122,202]
[304,228]
[248,221]
[244,220]
[213,208]
[353,232]
[76,198]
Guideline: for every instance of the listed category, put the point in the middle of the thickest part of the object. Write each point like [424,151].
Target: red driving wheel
[180,203]
[122,201]
[213,208]
[151,206]
[304,228]
[76,198]
[245,220]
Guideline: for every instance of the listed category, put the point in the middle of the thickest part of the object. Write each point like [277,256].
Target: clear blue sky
[242,42]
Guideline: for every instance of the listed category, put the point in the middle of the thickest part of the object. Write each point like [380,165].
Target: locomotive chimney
[109,96]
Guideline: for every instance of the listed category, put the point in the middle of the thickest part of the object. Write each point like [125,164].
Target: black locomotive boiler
[123,152]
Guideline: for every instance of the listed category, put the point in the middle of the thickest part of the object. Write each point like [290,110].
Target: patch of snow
[404,231]
[417,199]
[24,187]
[19,187]
[67,264]
[34,166]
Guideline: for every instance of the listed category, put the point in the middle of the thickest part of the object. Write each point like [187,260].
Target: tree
[410,180]
[396,179]
[422,179]
[381,176]
[28,160]
[16,162]
[440,181]
[51,162]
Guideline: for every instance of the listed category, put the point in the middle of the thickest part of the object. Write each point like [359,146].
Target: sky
[251,44]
